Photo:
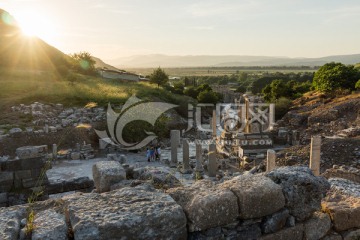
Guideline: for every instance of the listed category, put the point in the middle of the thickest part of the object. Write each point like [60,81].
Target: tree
[191,92]
[84,63]
[207,97]
[159,77]
[334,76]
[357,85]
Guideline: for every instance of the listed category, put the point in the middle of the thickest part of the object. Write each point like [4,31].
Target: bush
[282,106]
[357,85]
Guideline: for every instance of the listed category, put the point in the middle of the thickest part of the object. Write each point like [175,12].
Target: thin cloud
[209,28]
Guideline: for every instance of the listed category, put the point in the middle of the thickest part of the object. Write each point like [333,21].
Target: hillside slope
[335,118]
[18,51]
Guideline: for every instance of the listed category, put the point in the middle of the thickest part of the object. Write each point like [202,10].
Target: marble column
[315,151]
[212,167]
[271,160]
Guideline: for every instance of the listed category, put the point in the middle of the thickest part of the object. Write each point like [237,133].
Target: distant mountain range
[156,60]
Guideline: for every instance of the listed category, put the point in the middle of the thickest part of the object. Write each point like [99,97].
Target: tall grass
[47,87]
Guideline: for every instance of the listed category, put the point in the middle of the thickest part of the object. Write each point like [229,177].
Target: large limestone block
[257,195]
[344,211]
[302,190]
[107,173]
[205,206]
[31,151]
[293,233]
[275,222]
[49,225]
[10,223]
[129,213]
[317,226]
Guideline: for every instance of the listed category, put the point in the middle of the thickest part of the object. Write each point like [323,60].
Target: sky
[111,29]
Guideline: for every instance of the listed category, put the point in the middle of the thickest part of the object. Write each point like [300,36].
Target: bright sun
[35,25]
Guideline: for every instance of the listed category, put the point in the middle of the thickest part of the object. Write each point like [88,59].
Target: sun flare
[34,25]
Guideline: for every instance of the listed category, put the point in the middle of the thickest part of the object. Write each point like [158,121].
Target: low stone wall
[22,176]
[83,184]
[282,204]
[349,173]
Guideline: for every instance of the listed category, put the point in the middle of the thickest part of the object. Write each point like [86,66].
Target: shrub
[282,106]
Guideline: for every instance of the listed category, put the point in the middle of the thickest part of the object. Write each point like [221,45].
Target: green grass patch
[46,87]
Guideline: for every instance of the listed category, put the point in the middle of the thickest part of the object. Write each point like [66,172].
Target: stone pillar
[78,148]
[295,138]
[213,124]
[177,136]
[199,167]
[315,155]
[271,157]
[46,128]
[186,156]
[54,151]
[174,145]
[212,167]
[271,116]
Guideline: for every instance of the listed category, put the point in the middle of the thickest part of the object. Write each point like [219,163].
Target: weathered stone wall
[23,175]
[349,173]
[282,204]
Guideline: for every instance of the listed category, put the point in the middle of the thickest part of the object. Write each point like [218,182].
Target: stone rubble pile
[50,118]
[81,151]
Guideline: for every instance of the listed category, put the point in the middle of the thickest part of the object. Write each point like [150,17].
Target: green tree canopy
[83,63]
[208,97]
[334,76]
[191,92]
[159,77]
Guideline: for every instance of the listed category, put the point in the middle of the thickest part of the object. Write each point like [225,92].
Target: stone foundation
[247,207]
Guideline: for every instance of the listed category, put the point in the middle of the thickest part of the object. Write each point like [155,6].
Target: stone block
[317,226]
[80,183]
[50,225]
[129,213]
[344,212]
[293,233]
[29,183]
[206,206]
[302,190]
[107,173]
[31,151]
[3,198]
[258,196]
[23,174]
[33,163]
[12,165]
[6,181]
[10,224]
[351,235]
[275,222]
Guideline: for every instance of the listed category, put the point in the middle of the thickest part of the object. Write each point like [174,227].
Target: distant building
[120,75]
